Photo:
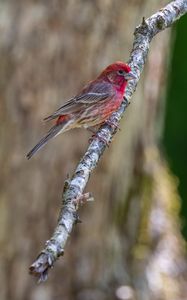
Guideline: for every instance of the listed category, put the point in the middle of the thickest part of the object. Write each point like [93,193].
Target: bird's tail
[54,131]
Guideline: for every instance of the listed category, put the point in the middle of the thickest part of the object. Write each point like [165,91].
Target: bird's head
[118,73]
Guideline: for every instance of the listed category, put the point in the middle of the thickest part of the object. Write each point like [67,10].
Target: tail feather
[55,130]
[51,117]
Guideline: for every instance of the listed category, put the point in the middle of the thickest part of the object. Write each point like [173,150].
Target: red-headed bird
[93,105]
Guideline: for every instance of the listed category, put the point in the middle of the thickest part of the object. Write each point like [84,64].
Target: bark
[47,52]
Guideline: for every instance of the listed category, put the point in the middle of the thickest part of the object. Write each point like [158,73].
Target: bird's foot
[92,129]
[100,138]
[114,124]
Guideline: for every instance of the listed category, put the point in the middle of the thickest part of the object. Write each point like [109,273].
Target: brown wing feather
[92,93]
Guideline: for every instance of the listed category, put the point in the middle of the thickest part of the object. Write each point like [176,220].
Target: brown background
[130,234]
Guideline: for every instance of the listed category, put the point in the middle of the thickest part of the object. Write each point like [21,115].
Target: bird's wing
[91,97]
[91,94]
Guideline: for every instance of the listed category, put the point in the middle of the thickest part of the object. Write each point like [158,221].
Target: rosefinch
[93,105]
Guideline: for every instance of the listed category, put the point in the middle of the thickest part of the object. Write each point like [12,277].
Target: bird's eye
[121,72]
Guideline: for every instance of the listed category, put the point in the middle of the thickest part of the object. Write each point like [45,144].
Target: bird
[92,106]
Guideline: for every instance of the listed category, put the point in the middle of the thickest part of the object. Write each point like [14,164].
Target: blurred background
[131,244]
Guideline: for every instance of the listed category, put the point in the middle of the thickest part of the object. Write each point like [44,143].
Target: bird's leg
[102,139]
[92,129]
[113,124]
[95,134]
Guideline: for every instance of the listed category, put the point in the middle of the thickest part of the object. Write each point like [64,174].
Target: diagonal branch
[74,188]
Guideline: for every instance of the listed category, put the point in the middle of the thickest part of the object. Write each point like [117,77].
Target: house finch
[93,105]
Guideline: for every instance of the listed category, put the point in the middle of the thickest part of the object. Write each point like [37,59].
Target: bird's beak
[130,76]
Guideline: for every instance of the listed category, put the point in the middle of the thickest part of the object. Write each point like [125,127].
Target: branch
[74,187]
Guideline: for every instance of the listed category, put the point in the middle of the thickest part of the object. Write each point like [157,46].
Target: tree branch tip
[42,276]
[44,262]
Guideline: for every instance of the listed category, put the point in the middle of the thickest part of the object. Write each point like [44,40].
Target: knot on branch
[66,183]
[160,22]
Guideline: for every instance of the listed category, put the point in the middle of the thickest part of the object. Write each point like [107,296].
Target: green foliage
[175,135]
